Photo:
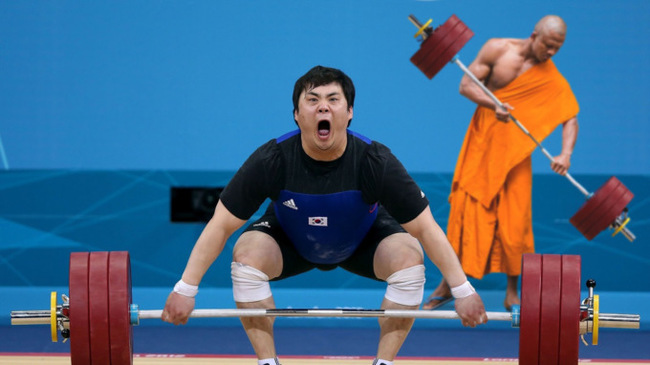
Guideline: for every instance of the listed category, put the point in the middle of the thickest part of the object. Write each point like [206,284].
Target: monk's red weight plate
[100,345]
[570,311]
[79,320]
[531,296]
[602,208]
[430,46]
[441,46]
[609,210]
[455,40]
[606,197]
[592,204]
[445,36]
[549,328]
[119,299]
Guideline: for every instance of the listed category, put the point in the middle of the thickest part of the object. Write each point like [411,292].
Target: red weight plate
[78,311]
[433,46]
[599,194]
[429,51]
[438,57]
[592,223]
[549,329]
[100,345]
[430,45]
[453,41]
[119,301]
[531,295]
[461,41]
[608,211]
[455,46]
[592,204]
[570,311]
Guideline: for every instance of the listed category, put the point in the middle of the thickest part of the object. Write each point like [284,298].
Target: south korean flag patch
[318,221]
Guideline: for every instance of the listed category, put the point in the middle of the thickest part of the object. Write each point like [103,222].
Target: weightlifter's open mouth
[324,127]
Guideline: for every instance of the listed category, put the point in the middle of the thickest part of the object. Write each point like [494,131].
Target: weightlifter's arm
[210,243]
[439,250]
[207,248]
[562,162]
[482,67]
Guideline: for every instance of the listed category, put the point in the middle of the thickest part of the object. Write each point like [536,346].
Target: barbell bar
[43,317]
[548,281]
[440,46]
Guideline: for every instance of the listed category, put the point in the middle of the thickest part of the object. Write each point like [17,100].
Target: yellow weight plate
[422,28]
[53,327]
[594,334]
[620,228]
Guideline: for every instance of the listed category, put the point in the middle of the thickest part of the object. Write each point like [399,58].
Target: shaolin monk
[490,218]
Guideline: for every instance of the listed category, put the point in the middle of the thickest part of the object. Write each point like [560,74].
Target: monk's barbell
[98,315]
[606,207]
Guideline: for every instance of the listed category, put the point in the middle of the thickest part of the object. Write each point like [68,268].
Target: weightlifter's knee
[248,283]
[406,286]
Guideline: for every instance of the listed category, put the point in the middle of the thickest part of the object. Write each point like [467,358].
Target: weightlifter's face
[323,115]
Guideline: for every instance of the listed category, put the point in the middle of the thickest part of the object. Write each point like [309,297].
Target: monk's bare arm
[482,68]
[562,162]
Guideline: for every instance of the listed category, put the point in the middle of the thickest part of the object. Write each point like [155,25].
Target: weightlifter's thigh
[396,252]
[259,250]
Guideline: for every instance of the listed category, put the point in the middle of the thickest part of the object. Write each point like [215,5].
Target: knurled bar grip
[500,104]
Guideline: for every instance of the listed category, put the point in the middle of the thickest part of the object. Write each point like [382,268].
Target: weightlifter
[338,199]
[490,220]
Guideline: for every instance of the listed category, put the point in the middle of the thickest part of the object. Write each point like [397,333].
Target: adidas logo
[262,224]
[290,204]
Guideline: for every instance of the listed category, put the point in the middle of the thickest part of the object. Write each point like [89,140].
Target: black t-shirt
[366,166]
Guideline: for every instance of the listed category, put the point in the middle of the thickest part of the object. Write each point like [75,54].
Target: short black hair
[319,76]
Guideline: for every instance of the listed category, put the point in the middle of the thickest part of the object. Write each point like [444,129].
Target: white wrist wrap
[186,289]
[463,290]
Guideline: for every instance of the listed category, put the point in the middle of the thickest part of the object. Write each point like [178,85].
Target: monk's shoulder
[497,48]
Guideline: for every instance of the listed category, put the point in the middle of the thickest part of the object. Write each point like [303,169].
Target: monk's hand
[503,112]
[561,164]
[471,310]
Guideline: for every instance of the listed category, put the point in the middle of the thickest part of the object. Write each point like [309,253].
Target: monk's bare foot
[512,298]
[440,296]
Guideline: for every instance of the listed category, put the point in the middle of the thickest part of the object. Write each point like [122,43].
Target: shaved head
[551,24]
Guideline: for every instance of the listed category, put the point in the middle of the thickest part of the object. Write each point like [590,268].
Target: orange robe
[490,221]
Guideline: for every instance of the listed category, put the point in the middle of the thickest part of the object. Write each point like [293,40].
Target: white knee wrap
[248,283]
[406,287]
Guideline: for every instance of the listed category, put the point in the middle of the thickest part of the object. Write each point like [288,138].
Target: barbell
[606,207]
[98,314]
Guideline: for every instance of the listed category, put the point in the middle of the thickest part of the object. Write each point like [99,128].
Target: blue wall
[197,85]
[46,214]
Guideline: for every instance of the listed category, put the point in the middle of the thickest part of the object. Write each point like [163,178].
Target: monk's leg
[515,226]
[512,294]
[470,230]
